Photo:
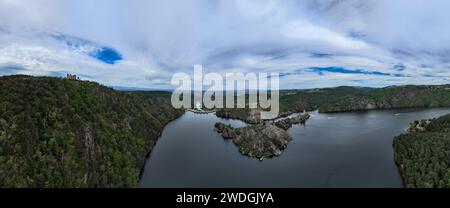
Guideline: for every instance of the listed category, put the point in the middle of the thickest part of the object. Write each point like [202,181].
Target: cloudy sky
[311,43]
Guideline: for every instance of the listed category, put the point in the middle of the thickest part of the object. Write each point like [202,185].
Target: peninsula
[262,140]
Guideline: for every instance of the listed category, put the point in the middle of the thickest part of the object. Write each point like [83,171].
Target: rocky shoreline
[263,140]
[287,123]
[197,111]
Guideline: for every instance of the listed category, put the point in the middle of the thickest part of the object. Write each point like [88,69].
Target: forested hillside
[65,133]
[391,97]
[342,99]
[423,154]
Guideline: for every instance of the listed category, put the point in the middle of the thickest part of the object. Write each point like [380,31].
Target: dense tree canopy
[66,133]
[63,133]
[423,154]
[342,99]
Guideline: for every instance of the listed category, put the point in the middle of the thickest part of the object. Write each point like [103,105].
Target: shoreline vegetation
[70,133]
[348,99]
[423,153]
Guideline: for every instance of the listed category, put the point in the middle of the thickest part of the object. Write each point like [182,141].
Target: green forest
[57,132]
[65,133]
[343,99]
[423,154]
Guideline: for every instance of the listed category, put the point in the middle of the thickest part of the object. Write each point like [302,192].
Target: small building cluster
[72,77]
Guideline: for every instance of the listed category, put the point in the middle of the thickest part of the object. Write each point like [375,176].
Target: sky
[310,43]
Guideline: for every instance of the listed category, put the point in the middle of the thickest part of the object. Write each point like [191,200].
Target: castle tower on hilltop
[72,77]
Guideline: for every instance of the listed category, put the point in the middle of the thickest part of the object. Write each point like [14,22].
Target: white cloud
[158,38]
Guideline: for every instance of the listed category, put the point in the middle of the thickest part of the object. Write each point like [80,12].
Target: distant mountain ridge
[341,99]
[344,99]
[391,97]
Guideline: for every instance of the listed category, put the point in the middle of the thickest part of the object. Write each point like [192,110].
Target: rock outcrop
[263,140]
[287,123]
[227,131]
[259,141]
[250,116]
[419,126]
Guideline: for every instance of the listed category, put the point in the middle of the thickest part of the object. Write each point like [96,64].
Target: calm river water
[331,150]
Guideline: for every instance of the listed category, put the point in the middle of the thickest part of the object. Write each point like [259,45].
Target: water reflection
[331,150]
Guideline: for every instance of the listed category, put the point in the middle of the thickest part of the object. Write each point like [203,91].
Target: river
[332,150]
